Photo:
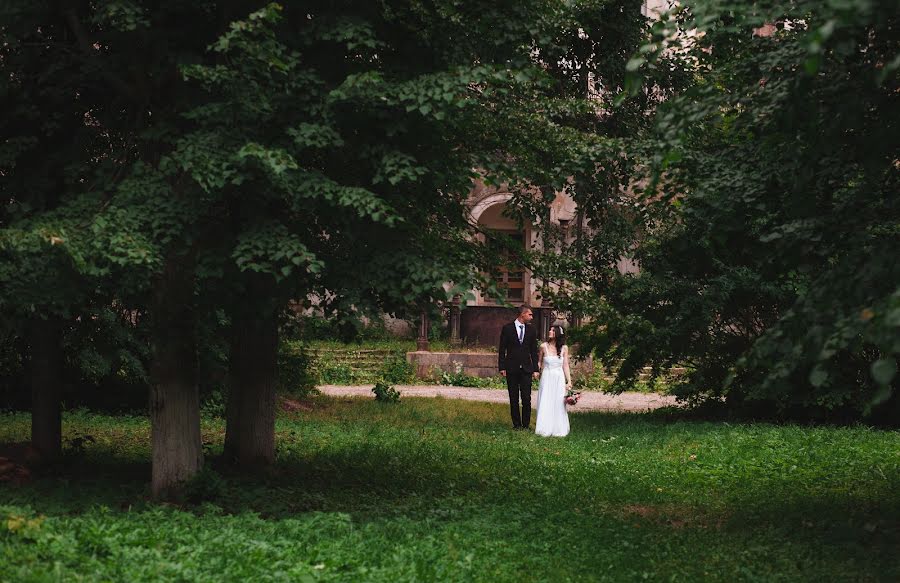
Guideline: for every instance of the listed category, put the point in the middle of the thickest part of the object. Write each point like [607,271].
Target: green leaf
[827,29]
[818,377]
[883,370]
[634,64]
[812,63]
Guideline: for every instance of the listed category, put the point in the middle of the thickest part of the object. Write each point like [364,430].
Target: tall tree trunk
[174,396]
[250,413]
[45,375]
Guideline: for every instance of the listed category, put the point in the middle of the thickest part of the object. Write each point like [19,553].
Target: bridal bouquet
[572,397]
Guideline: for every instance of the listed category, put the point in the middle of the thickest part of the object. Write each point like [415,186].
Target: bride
[553,361]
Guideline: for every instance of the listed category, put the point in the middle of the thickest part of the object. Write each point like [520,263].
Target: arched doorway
[509,242]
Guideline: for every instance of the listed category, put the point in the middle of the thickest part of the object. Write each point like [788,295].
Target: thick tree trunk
[174,396]
[175,419]
[250,423]
[45,372]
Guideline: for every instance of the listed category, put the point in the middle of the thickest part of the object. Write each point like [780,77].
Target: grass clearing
[439,489]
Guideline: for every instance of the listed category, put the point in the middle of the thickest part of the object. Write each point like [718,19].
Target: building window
[510,276]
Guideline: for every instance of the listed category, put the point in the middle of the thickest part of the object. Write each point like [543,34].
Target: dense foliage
[765,213]
[182,171]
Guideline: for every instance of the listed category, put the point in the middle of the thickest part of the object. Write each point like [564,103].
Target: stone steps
[362,360]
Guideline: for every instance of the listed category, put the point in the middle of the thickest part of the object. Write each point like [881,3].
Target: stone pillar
[422,340]
[455,339]
[546,318]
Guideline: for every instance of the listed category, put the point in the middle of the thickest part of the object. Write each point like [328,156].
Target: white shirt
[520,331]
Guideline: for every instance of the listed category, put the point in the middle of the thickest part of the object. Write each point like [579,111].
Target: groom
[518,362]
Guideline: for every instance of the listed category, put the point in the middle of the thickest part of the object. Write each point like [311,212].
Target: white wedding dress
[552,419]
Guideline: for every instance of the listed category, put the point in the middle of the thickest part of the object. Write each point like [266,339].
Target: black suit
[519,360]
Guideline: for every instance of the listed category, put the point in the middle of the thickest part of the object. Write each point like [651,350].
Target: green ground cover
[434,489]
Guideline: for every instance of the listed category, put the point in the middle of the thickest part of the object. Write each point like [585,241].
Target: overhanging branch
[87,47]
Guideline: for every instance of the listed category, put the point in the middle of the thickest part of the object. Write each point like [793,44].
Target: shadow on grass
[372,486]
[423,459]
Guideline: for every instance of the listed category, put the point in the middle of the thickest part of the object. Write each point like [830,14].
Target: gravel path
[590,401]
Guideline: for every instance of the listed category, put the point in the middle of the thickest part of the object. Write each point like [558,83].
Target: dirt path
[590,401]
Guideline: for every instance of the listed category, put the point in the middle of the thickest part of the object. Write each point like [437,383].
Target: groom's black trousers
[518,383]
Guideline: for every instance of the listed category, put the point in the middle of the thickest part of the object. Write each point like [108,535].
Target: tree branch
[87,47]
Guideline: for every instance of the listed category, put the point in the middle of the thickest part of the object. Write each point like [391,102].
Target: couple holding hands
[521,360]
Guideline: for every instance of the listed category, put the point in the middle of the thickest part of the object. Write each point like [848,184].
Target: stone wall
[476,364]
[481,325]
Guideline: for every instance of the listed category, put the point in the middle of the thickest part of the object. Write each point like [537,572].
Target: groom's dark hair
[524,308]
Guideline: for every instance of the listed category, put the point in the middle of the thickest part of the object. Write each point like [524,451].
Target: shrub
[296,375]
[105,345]
[396,369]
[207,485]
[461,379]
[336,374]
[385,393]
[592,382]
[212,404]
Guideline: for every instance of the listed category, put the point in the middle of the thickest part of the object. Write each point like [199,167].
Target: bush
[107,361]
[461,379]
[212,404]
[104,344]
[385,393]
[592,382]
[207,485]
[296,375]
[336,374]
[396,369]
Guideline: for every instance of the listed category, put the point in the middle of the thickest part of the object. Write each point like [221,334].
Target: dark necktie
[521,333]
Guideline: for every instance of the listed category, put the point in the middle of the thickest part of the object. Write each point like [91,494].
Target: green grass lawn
[441,490]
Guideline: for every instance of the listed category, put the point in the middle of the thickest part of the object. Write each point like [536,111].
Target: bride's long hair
[559,338]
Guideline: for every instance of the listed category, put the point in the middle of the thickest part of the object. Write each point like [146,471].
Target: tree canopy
[765,211]
[168,163]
